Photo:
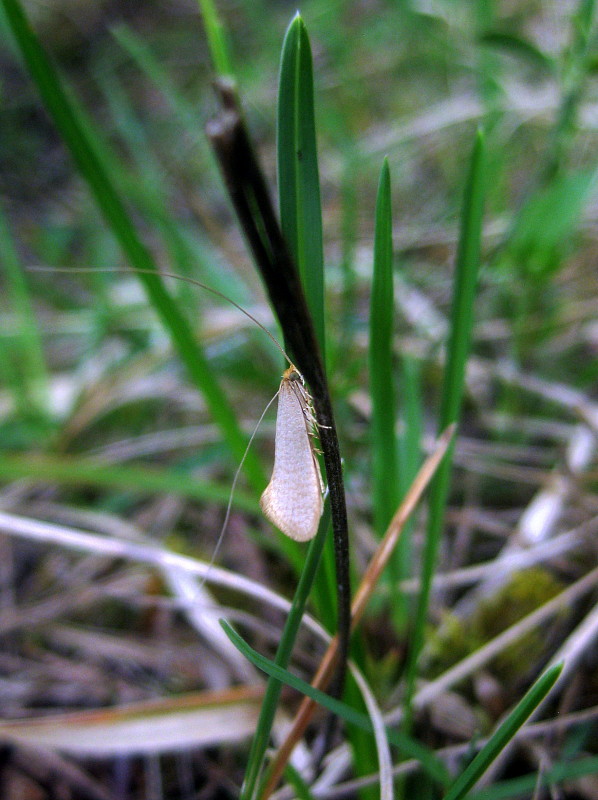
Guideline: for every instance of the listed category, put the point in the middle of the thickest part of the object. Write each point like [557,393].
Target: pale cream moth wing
[292,501]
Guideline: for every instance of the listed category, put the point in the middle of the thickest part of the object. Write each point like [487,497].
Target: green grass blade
[409,458]
[412,416]
[150,188]
[468,257]
[183,109]
[185,114]
[76,134]
[349,192]
[519,47]
[29,360]
[432,765]
[298,180]
[216,38]
[384,447]
[261,739]
[301,216]
[148,185]
[73,471]
[299,785]
[547,221]
[504,734]
[525,785]
[577,64]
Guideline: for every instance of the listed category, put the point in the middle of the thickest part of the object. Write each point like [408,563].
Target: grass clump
[436,184]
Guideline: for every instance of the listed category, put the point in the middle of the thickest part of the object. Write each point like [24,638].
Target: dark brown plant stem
[251,199]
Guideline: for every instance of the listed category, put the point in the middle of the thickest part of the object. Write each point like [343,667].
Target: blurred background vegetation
[102,431]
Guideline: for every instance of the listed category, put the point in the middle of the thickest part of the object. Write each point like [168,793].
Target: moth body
[292,501]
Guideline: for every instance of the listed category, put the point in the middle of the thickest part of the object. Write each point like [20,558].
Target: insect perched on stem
[292,501]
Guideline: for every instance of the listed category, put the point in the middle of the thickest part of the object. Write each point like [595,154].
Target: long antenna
[174,275]
[220,538]
[215,292]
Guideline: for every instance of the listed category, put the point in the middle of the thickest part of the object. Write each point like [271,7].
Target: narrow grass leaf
[148,185]
[412,418]
[185,113]
[520,47]
[411,747]
[301,788]
[30,363]
[530,701]
[76,134]
[74,471]
[384,446]
[468,257]
[384,478]
[525,785]
[409,457]
[298,179]
[547,222]
[577,63]
[255,761]
[349,210]
[216,38]
[301,220]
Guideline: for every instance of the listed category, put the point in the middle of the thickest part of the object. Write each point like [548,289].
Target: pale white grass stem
[57,535]
[62,536]
[382,746]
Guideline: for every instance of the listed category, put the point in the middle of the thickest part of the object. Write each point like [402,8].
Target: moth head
[293,374]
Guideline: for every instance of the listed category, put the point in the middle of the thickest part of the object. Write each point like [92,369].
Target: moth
[292,501]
